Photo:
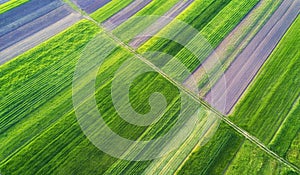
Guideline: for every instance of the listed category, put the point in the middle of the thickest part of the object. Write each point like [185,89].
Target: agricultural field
[137,87]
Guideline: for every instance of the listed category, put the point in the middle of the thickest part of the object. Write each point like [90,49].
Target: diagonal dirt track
[246,65]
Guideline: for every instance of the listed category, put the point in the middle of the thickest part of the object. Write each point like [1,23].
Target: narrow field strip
[160,23]
[125,14]
[90,6]
[6,5]
[244,68]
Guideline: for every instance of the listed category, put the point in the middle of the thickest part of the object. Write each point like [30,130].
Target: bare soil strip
[125,14]
[38,38]
[9,23]
[90,6]
[246,65]
[30,28]
[160,23]
[3,1]
[28,12]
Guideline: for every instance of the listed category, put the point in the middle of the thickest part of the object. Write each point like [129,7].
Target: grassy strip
[270,98]
[217,29]
[109,10]
[10,5]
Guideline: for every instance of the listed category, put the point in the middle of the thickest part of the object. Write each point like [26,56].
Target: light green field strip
[266,106]
[10,5]
[109,10]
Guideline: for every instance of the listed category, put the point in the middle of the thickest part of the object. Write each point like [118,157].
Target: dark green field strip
[217,29]
[270,98]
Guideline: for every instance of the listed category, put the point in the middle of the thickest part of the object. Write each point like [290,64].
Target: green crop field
[45,111]
[44,90]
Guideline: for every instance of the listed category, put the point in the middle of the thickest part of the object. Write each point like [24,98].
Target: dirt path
[246,65]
